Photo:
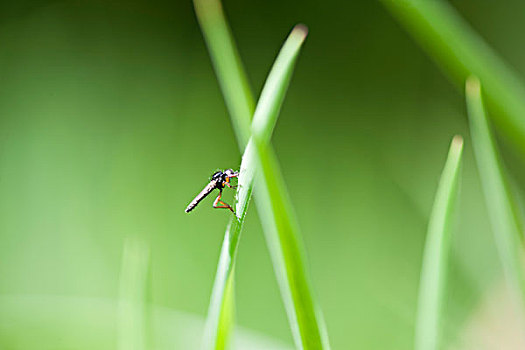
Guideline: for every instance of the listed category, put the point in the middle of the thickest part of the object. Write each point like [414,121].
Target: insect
[217,181]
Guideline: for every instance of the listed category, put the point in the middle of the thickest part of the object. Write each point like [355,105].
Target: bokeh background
[111,120]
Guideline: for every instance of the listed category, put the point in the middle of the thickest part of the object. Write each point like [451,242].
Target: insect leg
[223,205]
[230,185]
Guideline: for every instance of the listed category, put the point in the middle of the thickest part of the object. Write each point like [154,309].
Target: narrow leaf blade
[435,257]
[265,118]
[228,66]
[240,103]
[287,251]
[461,52]
[133,304]
[501,208]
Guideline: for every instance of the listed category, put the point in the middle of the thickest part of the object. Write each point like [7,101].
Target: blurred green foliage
[111,120]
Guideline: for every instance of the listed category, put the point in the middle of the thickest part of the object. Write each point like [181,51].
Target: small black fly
[217,181]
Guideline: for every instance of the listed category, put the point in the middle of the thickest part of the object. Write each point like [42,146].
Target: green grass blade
[218,324]
[501,207]
[435,257]
[275,209]
[240,103]
[283,237]
[462,52]
[226,315]
[133,303]
[228,67]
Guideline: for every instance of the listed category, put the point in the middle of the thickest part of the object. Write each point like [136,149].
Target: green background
[111,120]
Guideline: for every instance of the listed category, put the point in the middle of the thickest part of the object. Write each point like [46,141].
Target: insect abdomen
[206,191]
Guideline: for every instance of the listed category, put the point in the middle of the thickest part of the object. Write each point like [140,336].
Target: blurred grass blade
[501,207]
[435,257]
[133,304]
[228,67]
[462,52]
